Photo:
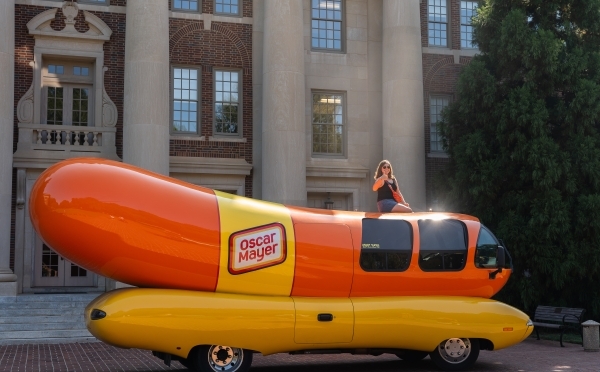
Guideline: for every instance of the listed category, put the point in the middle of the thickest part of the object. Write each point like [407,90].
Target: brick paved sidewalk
[529,356]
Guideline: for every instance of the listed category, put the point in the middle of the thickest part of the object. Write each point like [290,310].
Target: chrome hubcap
[455,350]
[224,358]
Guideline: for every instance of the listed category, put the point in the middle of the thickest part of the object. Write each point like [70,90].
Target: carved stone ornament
[25,107]
[40,24]
[70,10]
[110,114]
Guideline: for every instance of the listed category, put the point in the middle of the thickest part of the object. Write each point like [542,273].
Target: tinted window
[386,245]
[485,253]
[443,245]
[486,250]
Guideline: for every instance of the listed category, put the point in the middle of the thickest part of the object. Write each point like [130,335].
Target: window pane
[326,15]
[468,9]
[386,245]
[436,106]
[328,123]
[185,100]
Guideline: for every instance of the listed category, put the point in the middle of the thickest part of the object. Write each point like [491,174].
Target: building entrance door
[53,270]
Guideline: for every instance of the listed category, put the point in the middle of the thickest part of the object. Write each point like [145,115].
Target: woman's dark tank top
[384,191]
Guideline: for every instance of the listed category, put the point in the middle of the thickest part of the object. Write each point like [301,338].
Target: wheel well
[485,344]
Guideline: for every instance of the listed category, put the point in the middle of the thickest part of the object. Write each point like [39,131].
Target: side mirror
[500,261]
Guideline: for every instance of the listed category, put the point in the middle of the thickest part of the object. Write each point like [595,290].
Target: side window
[443,245]
[485,253]
[386,245]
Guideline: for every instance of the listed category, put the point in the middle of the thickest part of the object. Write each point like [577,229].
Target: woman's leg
[401,208]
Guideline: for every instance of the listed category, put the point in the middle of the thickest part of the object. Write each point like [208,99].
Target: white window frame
[198,100]
[240,126]
[434,5]
[344,125]
[238,14]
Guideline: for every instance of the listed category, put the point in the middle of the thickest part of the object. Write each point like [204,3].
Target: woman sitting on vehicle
[385,185]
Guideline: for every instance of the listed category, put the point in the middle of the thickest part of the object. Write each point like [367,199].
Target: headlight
[529,323]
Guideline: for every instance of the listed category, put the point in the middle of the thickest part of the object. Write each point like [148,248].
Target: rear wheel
[456,354]
[412,355]
[221,358]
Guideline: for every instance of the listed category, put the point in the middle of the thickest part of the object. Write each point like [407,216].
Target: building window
[468,9]
[185,100]
[67,94]
[436,105]
[186,5]
[101,2]
[227,102]
[327,24]
[437,22]
[228,7]
[328,120]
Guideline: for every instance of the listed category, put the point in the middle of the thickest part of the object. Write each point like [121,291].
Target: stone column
[283,126]
[258,12]
[403,128]
[146,102]
[8,280]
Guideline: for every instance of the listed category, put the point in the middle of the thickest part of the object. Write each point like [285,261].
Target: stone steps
[44,318]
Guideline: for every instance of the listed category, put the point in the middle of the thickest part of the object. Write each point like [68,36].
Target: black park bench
[557,318]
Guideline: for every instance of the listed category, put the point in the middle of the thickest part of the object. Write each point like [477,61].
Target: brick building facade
[346,126]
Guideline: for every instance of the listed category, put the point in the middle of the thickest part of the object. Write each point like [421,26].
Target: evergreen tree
[524,145]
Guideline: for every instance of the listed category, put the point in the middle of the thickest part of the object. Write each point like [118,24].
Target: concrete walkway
[531,355]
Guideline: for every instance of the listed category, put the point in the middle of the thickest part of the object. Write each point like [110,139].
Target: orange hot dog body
[148,230]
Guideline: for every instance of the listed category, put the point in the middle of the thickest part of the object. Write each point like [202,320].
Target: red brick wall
[226,45]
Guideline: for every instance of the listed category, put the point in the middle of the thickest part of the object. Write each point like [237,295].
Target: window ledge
[186,138]
[227,139]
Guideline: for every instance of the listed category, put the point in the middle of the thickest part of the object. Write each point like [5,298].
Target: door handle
[325,317]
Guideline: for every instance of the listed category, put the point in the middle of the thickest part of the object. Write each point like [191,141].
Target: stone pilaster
[403,128]
[283,125]
[146,102]
[8,280]
[258,12]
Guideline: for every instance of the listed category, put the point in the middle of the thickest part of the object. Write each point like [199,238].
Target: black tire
[187,363]
[456,354]
[221,358]
[412,355]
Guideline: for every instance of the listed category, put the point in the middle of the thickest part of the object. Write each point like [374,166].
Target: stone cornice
[39,26]
[180,164]
[336,171]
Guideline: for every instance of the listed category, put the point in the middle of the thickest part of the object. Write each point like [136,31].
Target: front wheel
[456,354]
[221,358]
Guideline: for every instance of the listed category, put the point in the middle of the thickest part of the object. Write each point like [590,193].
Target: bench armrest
[571,315]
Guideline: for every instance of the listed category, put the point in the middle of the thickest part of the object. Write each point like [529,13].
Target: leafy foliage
[524,145]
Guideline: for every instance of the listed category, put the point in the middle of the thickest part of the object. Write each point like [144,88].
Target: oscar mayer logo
[257,248]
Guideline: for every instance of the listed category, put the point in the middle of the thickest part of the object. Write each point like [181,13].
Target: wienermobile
[221,276]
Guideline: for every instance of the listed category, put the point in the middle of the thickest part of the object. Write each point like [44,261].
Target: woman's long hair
[379,173]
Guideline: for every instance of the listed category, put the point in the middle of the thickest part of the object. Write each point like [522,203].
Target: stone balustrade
[57,142]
